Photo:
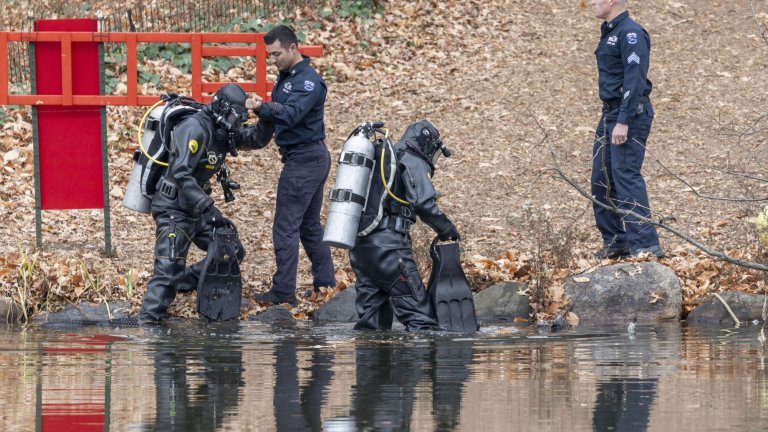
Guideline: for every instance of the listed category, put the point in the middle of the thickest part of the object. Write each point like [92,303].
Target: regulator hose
[383,177]
[141,134]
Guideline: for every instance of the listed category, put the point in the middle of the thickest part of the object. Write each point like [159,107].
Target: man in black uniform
[296,114]
[387,277]
[184,212]
[623,56]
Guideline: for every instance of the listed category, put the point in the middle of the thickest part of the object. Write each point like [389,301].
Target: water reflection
[623,405]
[79,405]
[197,382]
[450,369]
[297,408]
[249,377]
[387,375]
[628,370]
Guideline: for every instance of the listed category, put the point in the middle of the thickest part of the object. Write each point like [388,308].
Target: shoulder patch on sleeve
[309,85]
[193,146]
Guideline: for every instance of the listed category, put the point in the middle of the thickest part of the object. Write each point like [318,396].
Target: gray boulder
[87,312]
[273,314]
[746,307]
[10,311]
[648,292]
[501,302]
[340,308]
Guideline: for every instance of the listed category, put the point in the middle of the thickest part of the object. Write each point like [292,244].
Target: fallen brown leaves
[700,275]
[479,70]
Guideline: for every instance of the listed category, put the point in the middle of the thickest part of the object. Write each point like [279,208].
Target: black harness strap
[346,195]
[356,159]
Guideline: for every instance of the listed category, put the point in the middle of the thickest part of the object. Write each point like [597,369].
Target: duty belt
[300,144]
[614,104]
[287,150]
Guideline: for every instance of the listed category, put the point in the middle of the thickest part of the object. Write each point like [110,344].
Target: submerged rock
[502,302]
[10,311]
[556,324]
[86,312]
[746,307]
[273,314]
[647,292]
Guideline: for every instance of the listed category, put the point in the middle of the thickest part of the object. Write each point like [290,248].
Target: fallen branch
[728,308]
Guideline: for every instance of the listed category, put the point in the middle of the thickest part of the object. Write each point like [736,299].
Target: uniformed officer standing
[296,112]
[623,56]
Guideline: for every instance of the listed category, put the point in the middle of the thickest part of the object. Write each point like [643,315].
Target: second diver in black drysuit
[388,280]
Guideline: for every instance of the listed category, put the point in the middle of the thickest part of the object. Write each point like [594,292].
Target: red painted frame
[200,90]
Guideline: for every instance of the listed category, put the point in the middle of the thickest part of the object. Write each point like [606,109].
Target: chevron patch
[633,58]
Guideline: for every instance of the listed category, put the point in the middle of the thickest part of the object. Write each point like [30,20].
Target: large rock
[502,302]
[649,292]
[340,308]
[87,312]
[10,311]
[746,307]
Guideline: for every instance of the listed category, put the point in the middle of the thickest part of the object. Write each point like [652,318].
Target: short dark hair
[284,34]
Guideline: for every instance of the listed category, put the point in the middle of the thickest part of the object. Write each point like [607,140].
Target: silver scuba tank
[136,197]
[350,192]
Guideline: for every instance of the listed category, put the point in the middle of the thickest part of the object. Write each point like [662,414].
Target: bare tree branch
[749,130]
[752,129]
[661,223]
[737,174]
[760,27]
[710,197]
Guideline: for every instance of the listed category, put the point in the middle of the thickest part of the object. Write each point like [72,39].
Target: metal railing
[252,46]
[172,16]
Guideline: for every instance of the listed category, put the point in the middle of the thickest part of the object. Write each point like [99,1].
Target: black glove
[214,216]
[450,233]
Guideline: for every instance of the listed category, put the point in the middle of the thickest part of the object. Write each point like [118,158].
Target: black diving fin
[449,289]
[220,287]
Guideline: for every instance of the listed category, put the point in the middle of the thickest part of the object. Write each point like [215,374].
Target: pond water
[189,376]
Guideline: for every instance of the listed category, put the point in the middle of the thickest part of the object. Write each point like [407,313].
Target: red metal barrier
[70,170]
[256,48]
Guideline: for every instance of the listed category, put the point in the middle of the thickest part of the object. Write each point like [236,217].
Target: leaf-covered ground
[496,77]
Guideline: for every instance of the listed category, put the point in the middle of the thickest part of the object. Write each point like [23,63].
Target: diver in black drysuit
[183,211]
[198,380]
[388,280]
